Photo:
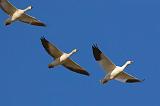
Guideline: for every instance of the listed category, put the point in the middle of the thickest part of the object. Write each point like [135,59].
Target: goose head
[74,51]
[129,62]
[28,8]
[126,64]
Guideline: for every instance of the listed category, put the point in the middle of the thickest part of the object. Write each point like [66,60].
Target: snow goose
[61,58]
[18,14]
[113,71]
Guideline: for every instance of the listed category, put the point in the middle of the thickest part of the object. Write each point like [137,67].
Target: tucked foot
[103,81]
[7,23]
[50,66]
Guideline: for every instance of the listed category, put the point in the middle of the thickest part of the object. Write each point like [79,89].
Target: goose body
[18,14]
[113,71]
[61,58]
[15,16]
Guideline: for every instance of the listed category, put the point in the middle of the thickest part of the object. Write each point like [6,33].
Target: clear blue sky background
[123,29]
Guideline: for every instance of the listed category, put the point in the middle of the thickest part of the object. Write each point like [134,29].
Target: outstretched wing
[104,61]
[75,67]
[126,78]
[50,48]
[30,20]
[7,7]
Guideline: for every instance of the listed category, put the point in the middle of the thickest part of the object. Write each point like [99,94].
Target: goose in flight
[18,14]
[61,58]
[113,71]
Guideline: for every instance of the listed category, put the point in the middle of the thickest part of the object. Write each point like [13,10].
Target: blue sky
[123,29]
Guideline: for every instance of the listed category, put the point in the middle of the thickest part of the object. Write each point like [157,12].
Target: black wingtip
[83,72]
[134,80]
[96,52]
[42,39]
[86,73]
[80,71]
[38,24]
[44,25]
[143,80]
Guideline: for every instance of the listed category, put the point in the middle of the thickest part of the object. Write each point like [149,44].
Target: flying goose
[18,14]
[61,58]
[113,71]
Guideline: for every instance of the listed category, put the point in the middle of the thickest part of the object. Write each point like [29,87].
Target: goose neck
[125,65]
[27,9]
[71,53]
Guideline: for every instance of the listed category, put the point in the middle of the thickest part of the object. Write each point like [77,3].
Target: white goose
[62,58]
[113,71]
[18,14]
